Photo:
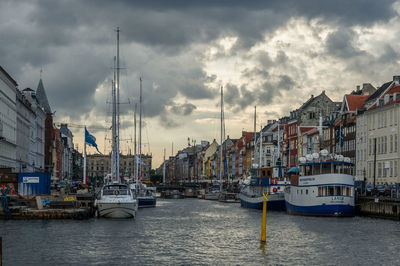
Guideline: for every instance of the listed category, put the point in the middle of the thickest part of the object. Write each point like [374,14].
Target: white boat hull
[211,196]
[321,195]
[117,209]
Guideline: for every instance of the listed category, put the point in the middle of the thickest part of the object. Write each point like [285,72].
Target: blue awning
[293,170]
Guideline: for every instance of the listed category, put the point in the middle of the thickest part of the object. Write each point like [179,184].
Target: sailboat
[115,199]
[214,193]
[251,194]
[144,194]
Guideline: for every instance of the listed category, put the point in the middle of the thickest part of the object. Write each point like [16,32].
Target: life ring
[275,189]
[274,181]
[116,192]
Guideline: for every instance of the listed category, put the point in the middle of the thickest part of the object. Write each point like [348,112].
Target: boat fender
[275,189]
[274,181]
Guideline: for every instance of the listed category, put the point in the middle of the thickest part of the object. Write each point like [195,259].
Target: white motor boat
[116,201]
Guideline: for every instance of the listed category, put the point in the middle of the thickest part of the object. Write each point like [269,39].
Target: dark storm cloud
[341,44]
[183,109]
[241,98]
[73,42]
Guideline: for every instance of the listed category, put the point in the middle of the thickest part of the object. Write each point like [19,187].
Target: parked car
[381,189]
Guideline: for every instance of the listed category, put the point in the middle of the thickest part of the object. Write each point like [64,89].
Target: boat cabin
[116,190]
[328,167]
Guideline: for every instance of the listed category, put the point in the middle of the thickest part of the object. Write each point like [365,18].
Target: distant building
[99,165]
[68,148]
[8,121]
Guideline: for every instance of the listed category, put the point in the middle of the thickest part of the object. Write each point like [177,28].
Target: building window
[395,117]
[391,143]
[395,142]
[395,169]
[391,169]
[379,169]
[391,117]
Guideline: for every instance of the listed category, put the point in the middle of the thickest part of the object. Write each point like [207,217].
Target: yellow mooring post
[264,220]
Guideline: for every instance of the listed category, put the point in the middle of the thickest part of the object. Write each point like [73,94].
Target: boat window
[348,190]
[301,192]
[331,190]
[306,191]
[326,168]
[108,192]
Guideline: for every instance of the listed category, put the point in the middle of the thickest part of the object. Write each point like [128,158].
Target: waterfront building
[37,125]
[308,115]
[67,150]
[24,113]
[8,121]
[48,129]
[57,151]
[210,150]
[382,115]
[347,127]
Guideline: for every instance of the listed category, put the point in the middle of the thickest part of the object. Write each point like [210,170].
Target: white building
[24,115]
[8,120]
[382,134]
[36,128]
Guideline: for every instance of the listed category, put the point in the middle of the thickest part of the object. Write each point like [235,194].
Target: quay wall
[385,208]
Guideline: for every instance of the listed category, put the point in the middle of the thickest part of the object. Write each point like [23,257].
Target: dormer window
[386,98]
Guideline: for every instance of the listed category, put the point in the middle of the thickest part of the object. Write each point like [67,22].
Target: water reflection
[192,231]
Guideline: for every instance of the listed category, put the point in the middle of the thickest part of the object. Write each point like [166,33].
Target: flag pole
[84,157]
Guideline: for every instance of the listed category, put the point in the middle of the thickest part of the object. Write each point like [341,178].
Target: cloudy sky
[273,54]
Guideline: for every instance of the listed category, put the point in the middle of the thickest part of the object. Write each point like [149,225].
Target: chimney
[396,79]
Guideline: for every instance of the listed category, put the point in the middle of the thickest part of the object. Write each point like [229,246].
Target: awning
[293,170]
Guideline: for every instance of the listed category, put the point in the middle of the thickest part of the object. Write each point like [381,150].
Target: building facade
[8,121]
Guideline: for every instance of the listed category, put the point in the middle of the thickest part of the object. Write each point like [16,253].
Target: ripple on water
[198,232]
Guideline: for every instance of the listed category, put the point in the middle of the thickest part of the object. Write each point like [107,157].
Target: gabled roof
[379,91]
[42,98]
[354,102]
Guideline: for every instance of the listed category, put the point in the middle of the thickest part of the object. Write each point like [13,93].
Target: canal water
[199,232]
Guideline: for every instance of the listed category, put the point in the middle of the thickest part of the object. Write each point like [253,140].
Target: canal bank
[378,207]
[199,232]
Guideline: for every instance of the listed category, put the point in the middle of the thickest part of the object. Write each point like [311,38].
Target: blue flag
[339,136]
[91,140]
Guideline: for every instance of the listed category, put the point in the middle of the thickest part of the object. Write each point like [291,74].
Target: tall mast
[140,127]
[260,161]
[114,115]
[222,118]
[134,122]
[255,134]
[117,120]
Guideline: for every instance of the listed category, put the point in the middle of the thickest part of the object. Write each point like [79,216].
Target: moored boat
[324,188]
[251,194]
[116,201]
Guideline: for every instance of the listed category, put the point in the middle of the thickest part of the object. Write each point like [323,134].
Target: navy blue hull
[146,202]
[276,205]
[321,210]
